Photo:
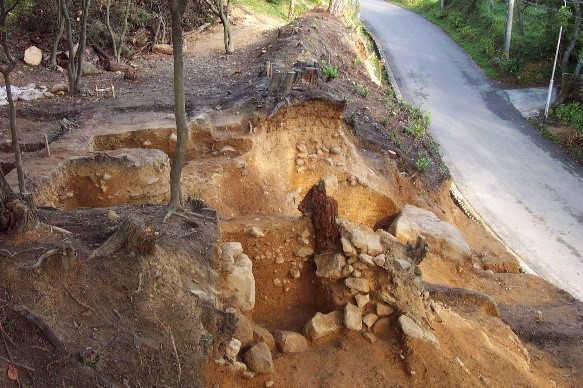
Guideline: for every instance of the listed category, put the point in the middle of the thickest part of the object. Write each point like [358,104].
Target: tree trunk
[75,64]
[17,214]
[569,80]
[177,8]
[134,234]
[292,8]
[229,47]
[53,62]
[6,69]
[323,210]
[335,7]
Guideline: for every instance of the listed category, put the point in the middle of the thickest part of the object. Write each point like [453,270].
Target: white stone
[303,252]
[258,358]
[358,284]
[279,259]
[241,283]
[366,259]
[370,319]
[233,347]
[294,273]
[380,260]
[362,300]
[31,95]
[361,237]
[352,317]
[347,247]
[290,341]
[401,265]
[441,236]
[60,87]
[322,325]
[335,150]
[410,328]
[255,231]
[33,56]
[329,265]
[230,251]
[384,309]
[330,184]
[269,384]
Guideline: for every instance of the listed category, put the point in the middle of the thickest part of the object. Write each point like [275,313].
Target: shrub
[328,71]
[422,163]
[571,114]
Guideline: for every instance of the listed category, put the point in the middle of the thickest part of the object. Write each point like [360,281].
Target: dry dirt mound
[265,309]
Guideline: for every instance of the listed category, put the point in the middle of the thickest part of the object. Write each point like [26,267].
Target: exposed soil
[139,320]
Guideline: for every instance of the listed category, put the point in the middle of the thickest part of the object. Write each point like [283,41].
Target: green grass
[328,71]
[277,9]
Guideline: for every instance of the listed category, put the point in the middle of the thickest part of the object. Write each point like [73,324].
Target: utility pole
[508,36]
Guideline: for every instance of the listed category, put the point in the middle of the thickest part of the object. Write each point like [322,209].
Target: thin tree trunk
[229,47]
[568,81]
[508,34]
[6,70]
[53,63]
[177,8]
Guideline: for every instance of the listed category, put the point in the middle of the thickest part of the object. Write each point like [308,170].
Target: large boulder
[359,238]
[442,237]
[33,56]
[241,283]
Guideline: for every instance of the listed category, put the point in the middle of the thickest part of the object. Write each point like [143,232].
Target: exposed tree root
[38,321]
[63,252]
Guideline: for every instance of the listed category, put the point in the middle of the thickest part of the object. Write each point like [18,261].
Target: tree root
[39,322]
[63,252]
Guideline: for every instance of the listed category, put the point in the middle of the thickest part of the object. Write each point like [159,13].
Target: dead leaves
[12,372]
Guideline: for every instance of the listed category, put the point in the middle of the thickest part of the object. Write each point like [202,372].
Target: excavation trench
[253,180]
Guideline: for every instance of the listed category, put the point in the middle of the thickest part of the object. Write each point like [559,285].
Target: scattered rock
[362,300]
[329,265]
[384,309]
[269,384]
[232,349]
[112,217]
[347,247]
[261,334]
[441,236]
[303,252]
[244,331]
[255,232]
[370,319]
[380,260]
[290,341]
[31,95]
[165,49]
[369,336]
[48,95]
[322,325]
[361,237]
[294,273]
[358,284]
[33,56]
[60,87]
[259,359]
[352,317]
[412,330]
[366,259]
[401,265]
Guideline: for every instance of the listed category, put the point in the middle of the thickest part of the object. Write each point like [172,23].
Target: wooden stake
[47,145]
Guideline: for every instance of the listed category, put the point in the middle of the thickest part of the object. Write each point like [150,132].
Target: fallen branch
[39,322]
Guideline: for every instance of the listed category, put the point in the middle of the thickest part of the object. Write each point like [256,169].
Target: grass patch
[277,9]
[328,71]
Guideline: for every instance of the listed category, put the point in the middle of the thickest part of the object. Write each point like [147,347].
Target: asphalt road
[529,195]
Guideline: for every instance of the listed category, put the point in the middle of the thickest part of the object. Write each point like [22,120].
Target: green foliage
[362,91]
[328,71]
[570,114]
[414,129]
[423,162]
[277,8]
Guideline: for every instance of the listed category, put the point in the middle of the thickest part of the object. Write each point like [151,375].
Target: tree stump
[323,210]
[134,234]
[17,213]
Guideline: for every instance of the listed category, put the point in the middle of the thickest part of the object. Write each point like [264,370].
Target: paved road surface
[528,194]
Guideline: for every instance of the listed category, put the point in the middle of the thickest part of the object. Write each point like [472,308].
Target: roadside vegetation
[479,26]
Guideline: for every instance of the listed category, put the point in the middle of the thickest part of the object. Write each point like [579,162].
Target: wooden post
[268,69]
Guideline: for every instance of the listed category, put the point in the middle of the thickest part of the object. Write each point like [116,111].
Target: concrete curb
[392,78]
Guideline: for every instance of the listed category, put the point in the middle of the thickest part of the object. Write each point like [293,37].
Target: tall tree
[569,76]
[7,64]
[508,34]
[222,9]
[177,8]
[75,64]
